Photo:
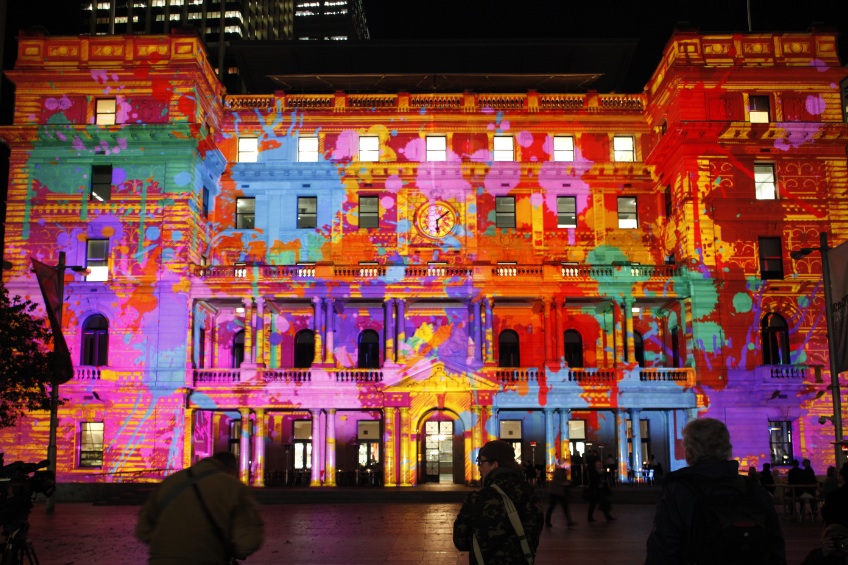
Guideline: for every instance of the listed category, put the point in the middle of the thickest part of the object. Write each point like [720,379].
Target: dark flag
[48,281]
[837,258]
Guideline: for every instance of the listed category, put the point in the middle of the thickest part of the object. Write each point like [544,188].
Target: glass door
[438,452]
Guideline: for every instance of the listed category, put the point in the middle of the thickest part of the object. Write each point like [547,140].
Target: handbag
[230,560]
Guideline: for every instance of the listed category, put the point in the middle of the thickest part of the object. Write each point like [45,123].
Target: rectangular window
[771,258]
[437,148]
[566,211]
[669,209]
[369,212]
[97,260]
[505,211]
[91,444]
[307,150]
[780,442]
[563,148]
[759,111]
[369,148]
[245,213]
[504,149]
[622,149]
[248,149]
[764,183]
[627,218]
[101,183]
[205,202]
[105,110]
[307,212]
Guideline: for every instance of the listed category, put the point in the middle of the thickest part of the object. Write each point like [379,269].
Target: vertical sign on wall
[838,259]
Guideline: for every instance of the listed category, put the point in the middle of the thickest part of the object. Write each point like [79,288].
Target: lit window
[505,211]
[622,147]
[566,211]
[771,258]
[95,341]
[369,212]
[627,218]
[780,442]
[759,110]
[437,148]
[97,259]
[503,148]
[307,149]
[105,110]
[563,148]
[91,444]
[245,213]
[764,183]
[248,149]
[369,148]
[307,212]
[101,183]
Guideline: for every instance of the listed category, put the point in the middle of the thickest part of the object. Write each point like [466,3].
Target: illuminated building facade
[332,284]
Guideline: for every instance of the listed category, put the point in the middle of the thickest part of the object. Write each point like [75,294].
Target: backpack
[728,523]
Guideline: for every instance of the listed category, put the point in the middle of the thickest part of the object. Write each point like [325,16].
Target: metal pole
[54,387]
[834,375]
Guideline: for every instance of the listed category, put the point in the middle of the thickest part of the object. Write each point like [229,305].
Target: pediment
[438,377]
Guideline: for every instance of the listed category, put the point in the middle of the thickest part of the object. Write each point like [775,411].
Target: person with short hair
[708,451]
[483,526]
[201,515]
[835,508]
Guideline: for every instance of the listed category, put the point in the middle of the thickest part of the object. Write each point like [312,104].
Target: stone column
[259,448]
[689,333]
[401,330]
[315,478]
[330,330]
[477,332]
[244,446]
[188,436]
[550,442]
[497,425]
[260,332]
[389,446]
[618,329]
[274,351]
[213,362]
[548,325]
[636,438]
[330,450]
[490,328]
[389,329]
[559,347]
[318,329]
[564,440]
[621,427]
[476,439]
[248,331]
[406,464]
[627,316]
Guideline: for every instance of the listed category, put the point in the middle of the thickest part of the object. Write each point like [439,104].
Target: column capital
[247,301]
[316,300]
[260,301]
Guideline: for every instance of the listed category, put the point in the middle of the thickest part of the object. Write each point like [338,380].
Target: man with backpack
[708,513]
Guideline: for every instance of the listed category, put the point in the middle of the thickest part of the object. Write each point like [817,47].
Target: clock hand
[443,215]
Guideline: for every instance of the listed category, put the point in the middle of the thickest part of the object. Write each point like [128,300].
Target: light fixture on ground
[836,418]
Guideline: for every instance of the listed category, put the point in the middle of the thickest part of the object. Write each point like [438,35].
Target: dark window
[771,258]
[759,109]
[508,351]
[505,211]
[573,348]
[95,341]
[639,349]
[775,338]
[780,442]
[245,213]
[669,209]
[205,209]
[369,350]
[201,349]
[101,183]
[304,349]
[238,350]
[566,211]
[675,347]
[307,212]
[369,212]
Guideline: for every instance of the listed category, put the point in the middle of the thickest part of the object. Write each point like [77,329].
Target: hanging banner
[838,265]
[48,281]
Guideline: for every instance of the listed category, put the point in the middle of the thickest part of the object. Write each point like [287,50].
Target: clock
[435,220]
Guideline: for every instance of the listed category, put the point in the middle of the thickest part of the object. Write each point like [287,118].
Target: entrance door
[438,452]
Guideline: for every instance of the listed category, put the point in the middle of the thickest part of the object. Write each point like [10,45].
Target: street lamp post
[834,374]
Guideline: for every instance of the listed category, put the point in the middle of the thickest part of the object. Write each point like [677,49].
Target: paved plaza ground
[363,533]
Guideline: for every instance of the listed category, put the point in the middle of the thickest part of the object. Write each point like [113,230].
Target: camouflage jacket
[483,515]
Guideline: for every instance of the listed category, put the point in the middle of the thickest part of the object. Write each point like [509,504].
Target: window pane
[759,109]
[780,442]
[623,149]
[91,444]
[369,148]
[105,111]
[503,148]
[627,218]
[764,183]
[307,149]
[97,260]
[307,212]
[436,147]
[245,213]
[101,183]
[369,212]
[563,148]
[566,211]
[248,149]
[771,258]
[505,212]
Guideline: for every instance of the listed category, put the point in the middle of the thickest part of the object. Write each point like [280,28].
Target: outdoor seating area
[799,502]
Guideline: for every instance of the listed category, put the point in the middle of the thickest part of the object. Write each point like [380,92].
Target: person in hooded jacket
[483,515]
[707,449]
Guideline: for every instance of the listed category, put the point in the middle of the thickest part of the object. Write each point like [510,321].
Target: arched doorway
[442,448]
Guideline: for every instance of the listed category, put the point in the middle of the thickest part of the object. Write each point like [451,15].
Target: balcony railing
[286,376]
[593,376]
[518,375]
[783,372]
[356,375]
[87,373]
[668,375]
[217,376]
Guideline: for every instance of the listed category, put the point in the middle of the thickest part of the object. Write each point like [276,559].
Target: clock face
[436,220]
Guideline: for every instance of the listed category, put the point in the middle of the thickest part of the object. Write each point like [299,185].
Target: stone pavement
[362,534]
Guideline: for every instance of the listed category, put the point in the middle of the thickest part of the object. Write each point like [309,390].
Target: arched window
[508,350]
[369,350]
[95,341]
[775,337]
[639,349]
[304,349]
[238,349]
[573,348]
